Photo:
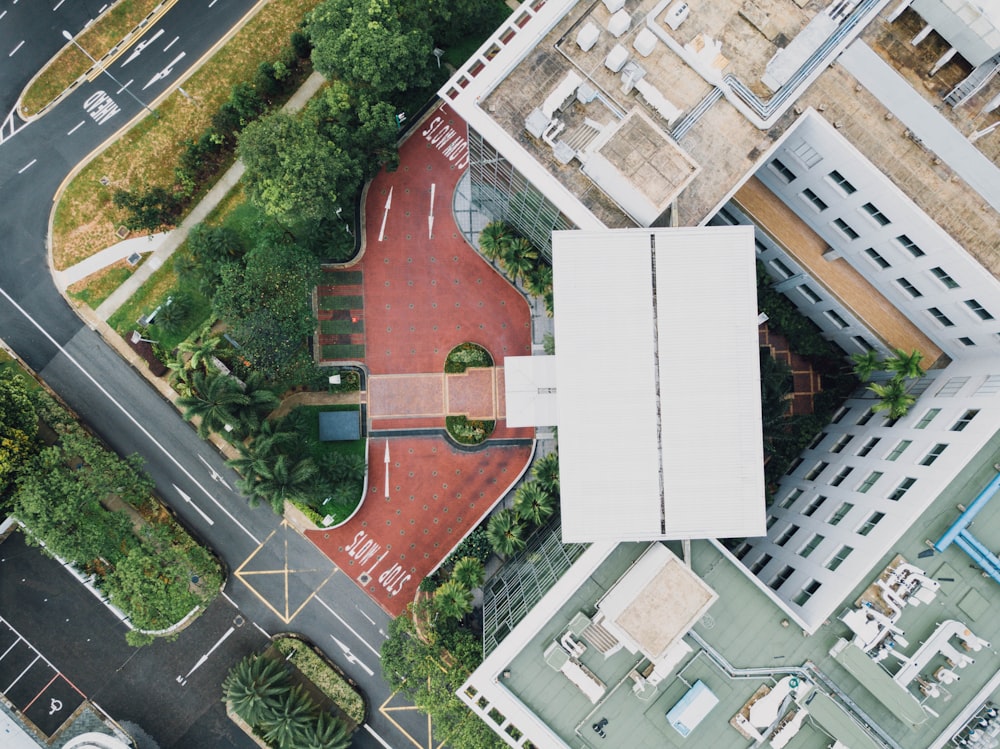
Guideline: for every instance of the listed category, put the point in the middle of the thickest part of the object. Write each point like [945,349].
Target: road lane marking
[26,669]
[349,627]
[166,71]
[27,166]
[212,3]
[125,85]
[378,738]
[124,411]
[76,127]
[182,680]
[173,41]
[58,5]
[14,51]
[2,15]
[188,499]
[351,657]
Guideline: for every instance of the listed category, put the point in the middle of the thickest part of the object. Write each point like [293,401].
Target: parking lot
[35,687]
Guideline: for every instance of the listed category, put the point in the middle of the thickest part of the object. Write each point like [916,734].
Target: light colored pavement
[199,213]
[126,248]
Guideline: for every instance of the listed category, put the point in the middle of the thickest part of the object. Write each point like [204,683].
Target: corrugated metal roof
[530,391]
[659,393]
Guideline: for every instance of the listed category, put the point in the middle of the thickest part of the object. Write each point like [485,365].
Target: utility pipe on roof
[969,515]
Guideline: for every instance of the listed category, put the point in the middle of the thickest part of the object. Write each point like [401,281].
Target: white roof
[658,384]
[530,391]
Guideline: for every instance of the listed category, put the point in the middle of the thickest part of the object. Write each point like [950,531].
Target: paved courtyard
[417,291]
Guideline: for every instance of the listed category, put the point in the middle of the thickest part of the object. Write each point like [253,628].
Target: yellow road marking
[103,64]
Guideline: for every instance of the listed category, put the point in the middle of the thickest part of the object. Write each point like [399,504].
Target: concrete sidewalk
[124,249]
[174,239]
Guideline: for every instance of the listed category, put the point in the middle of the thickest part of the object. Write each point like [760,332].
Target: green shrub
[466,355]
[468,432]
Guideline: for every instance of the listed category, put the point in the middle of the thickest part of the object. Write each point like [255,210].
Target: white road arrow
[182,680]
[141,46]
[166,71]
[216,476]
[351,657]
[388,205]
[187,499]
[430,216]
[387,469]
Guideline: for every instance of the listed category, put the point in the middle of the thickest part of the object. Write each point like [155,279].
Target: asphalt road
[120,406]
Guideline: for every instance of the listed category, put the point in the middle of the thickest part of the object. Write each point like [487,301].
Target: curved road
[115,401]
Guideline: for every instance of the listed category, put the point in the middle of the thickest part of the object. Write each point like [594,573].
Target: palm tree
[260,401]
[254,687]
[905,365]
[539,279]
[452,600]
[866,364]
[216,400]
[288,726]
[505,532]
[201,350]
[468,572]
[259,454]
[518,258]
[546,472]
[284,479]
[180,375]
[327,733]
[893,397]
[493,239]
[533,503]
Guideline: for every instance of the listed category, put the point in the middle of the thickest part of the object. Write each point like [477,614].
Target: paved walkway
[199,213]
[124,249]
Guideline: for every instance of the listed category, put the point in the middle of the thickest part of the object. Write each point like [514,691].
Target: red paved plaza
[423,291]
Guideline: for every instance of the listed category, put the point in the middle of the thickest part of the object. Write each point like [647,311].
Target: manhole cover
[708,621]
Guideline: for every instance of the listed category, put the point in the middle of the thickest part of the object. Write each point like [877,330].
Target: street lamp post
[69,37]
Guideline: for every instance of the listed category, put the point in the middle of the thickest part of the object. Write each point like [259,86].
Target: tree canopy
[18,425]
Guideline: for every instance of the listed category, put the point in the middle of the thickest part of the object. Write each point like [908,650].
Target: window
[872,210]
[981,312]
[952,387]
[842,411]
[839,321]
[806,153]
[811,545]
[778,580]
[926,419]
[865,417]
[966,341]
[898,450]
[869,525]
[910,246]
[941,317]
[809,294]
[785,535]
[839,478]
[869,446]
[841,443]
[990,386]
[814,505]
[762,561]
[841,182]
[783,270]
[880,261]
[863,343]
[840,513]
[869,482]
[779,168]
[816,470]
[944,278]
[909,288]
[930,457]
[790,499]
[962,423]
[839,557]
[806,593]
[771,520]
[899,491]
[742,550]
[816,440]
[845,228]
[814,200]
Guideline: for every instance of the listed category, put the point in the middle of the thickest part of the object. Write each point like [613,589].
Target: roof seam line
[656,381]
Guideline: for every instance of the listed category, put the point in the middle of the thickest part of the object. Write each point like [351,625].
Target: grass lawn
[71,63]
[341,326]
[341,302]
[85,219]
[318,449]
[9,363]
[97,287]
[347,278]
[343,351]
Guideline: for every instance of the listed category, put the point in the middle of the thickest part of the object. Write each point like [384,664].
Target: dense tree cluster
[18,425]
